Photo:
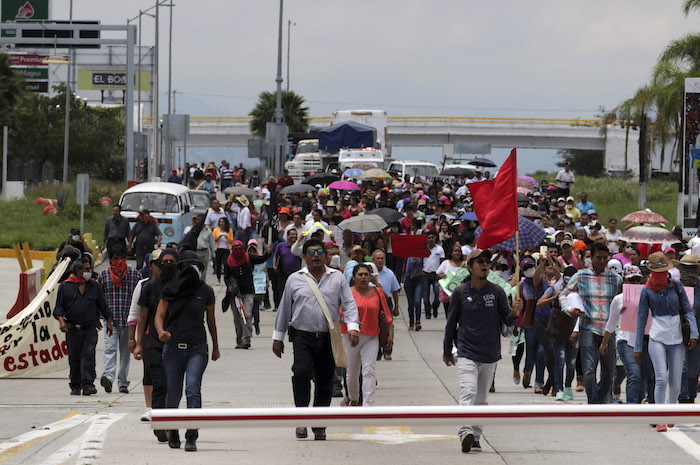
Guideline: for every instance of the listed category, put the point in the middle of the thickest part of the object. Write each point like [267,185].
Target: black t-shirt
[145,235]
[188,327]
[150,296]
[78,246]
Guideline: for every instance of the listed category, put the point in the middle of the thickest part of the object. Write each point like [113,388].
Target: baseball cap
[615,265]
[476,253]
[569,198]
[527,262]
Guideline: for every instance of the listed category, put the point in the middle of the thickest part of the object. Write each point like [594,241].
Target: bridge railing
[240,121]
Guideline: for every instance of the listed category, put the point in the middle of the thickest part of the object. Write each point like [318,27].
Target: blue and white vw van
[171,204]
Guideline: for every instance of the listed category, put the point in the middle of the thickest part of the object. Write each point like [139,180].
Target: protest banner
[259,279]
[31,343]
[409,245]
[630,300]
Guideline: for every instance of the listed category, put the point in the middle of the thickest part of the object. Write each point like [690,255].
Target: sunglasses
[313,252]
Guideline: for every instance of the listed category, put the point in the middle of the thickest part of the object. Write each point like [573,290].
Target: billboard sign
[93,79]
[19,10]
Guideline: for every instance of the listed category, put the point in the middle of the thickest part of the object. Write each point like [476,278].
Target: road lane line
[18,444]
[88,446]
[683,441]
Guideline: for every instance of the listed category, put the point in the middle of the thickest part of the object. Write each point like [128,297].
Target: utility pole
[171,152]
[156,89]
[289,28]
[278,108]
[66,135]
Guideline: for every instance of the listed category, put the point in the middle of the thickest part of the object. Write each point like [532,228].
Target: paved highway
[42,424]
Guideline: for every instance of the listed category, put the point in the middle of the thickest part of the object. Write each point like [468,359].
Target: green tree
[583,162]
[294,113]
[11,89]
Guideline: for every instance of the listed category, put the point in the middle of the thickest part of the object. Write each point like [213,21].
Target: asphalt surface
[106,428]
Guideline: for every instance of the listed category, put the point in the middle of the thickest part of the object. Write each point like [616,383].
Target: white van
[349,157]
[413,168]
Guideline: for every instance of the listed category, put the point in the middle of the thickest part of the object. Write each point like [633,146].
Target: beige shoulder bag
[341,359]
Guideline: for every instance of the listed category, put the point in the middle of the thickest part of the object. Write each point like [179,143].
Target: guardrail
[425,415]
[411,120]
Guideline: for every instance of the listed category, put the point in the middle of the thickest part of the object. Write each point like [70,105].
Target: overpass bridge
[621,147]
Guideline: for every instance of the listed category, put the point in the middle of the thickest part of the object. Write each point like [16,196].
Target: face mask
[394,229]
[335,262]
[629,250]
[168,271]
[501,274]
[87,276]
[238,253]
[529,273]
[118,266]
[588,262]
[75,237]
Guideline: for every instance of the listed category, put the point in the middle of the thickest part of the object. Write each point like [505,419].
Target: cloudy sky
[540,58]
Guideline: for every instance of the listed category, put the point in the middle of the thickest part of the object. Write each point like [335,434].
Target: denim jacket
[662,303]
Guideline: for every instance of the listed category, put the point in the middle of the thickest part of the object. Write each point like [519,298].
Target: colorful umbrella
[376,174]
[524,190]
[364,223]
[297,188]
[363,166]
[648,235]
[469,216]
[527,181]
[344,186]
[644,216]
[530,235]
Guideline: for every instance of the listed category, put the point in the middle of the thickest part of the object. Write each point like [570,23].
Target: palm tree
[11,89]
[294,113]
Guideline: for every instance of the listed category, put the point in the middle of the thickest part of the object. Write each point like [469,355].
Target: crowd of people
[336,292]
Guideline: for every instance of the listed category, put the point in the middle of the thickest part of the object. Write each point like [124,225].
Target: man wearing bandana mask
[239,269]
[147,338]
[79,305]
[118,283]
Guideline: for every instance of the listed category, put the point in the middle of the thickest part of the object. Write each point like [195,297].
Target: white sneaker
[146,415]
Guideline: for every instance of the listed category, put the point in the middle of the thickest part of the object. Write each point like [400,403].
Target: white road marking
[44,431]
[89,445]
[390,435]
[677,435]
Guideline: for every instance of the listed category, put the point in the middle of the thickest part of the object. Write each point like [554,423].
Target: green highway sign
[32,73]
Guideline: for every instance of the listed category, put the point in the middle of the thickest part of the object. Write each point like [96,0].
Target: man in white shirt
[244,219]
[430,265]
[297,224]
[565,179]
[213,217]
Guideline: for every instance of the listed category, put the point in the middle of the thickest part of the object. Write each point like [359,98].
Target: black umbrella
[523,198]
[457,171]
[298,188]
[387,214]
[321,178]
[482,162]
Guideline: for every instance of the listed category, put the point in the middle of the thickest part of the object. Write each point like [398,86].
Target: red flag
[496,204]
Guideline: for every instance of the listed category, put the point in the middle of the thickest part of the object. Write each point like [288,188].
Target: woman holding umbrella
[666,299]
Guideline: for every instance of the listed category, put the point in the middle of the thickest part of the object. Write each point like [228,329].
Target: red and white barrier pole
[425,415]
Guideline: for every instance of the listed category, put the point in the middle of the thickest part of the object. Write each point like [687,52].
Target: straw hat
[658,262]
[688,260]
[243,200]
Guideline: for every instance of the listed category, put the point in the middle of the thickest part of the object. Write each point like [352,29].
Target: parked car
[171,204]
[413,168]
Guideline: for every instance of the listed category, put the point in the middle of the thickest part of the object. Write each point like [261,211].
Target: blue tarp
[345,135]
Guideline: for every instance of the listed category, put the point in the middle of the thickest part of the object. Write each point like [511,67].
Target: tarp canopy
[345,135]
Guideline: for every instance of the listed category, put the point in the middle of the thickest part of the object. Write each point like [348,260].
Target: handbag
[416,270]
[685,324]
[560,325]
[339,355]
[384,326]
[529,310]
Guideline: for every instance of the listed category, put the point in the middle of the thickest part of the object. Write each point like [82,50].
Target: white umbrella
[364,223]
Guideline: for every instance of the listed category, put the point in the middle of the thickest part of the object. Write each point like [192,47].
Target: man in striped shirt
[597,286]
[226,175]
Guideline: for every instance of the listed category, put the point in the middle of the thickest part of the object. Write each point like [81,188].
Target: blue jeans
[431,282]
[414,293]
[690,385]
[185,366]
[596,391]
[635,385]
[668,367]
[564,355]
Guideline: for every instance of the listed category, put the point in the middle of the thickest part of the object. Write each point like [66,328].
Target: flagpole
[517,262]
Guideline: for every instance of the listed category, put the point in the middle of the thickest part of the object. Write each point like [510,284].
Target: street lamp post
[278,107]
[290,23]
[64,60]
